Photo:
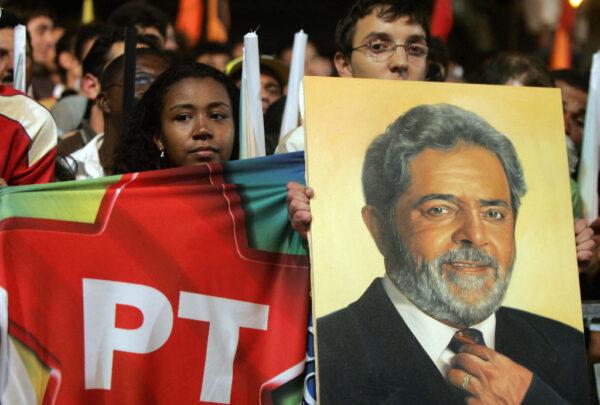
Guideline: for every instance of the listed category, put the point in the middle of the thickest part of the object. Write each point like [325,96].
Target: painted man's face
[455,225]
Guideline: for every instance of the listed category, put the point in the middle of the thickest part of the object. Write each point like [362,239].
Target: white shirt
[433,335]
[88,160]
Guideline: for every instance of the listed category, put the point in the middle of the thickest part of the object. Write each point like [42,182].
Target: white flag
[252,131]
[19,55]
[294,99]
[590,149]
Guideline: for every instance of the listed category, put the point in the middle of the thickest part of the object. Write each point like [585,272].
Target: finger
[2,182]
[469,363]
[294,185]
[298,205]
[580,224]
[302,217]
[587,245]
[297,195]
[481,351]
[458,378]
[585,235]
[585,256]
[301,224]
[309,192]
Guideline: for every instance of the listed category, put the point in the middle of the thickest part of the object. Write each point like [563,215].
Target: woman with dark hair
[188,116]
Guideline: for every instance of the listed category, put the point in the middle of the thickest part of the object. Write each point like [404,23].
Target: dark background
[490,27]
[276,20]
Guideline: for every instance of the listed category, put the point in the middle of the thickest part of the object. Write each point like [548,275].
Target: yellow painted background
[343,116]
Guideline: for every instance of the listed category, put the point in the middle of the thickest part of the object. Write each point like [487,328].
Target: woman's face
[197,124]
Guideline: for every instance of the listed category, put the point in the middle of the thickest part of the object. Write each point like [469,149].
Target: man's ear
[103,103]
[342,65]
[376,225]
[90,86]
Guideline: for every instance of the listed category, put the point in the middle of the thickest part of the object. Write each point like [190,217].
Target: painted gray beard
[423,283]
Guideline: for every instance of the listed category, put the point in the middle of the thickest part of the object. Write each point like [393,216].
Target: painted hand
[496,379]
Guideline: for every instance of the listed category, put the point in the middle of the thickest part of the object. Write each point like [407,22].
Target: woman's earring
[162,154]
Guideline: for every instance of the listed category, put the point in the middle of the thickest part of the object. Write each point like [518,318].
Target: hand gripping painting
[442,245]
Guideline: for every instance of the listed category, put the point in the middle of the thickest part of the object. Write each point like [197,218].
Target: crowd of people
[72,123]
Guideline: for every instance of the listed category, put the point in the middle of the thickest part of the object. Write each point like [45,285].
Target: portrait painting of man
[442,193]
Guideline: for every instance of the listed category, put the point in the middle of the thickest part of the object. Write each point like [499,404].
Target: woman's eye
[217,116]
[183,117]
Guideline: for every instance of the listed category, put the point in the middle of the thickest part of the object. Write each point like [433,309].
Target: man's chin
[470,306]
[471,298]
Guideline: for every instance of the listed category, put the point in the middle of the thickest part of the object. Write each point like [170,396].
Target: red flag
[193,14]
[561,49]
[442,19]
[165,287]
[189,19]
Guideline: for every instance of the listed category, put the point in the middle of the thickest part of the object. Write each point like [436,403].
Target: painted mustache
[467,257]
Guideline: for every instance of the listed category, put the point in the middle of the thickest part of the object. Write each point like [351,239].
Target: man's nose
[398,62]
[470,230]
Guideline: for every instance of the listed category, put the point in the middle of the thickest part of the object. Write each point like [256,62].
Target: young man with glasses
[383,39]
[377,39]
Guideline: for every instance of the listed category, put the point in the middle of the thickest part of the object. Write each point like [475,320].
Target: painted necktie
[464,336]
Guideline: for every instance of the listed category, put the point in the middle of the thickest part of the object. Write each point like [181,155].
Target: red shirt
[27,139]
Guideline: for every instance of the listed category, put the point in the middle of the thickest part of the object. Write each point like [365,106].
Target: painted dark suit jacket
[367,355]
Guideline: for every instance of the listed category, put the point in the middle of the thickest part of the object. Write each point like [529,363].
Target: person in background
[171,43]
[69,67]
[86,36]
[574,90]
[109,45]
[27,130]
[215,54]
[40,23]
[273,78]
[314,63]
[147,19]
[187,117]
[96,158]
[40,26]
[8,22]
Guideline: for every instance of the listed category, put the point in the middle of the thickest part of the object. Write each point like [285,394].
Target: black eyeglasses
[381,50]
